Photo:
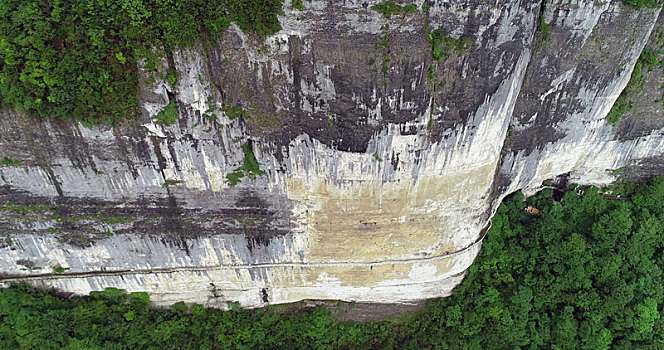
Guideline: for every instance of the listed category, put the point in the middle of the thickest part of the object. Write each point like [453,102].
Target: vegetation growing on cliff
[249,168]
[78,59]
[543,33]
[650,58]
[297,4]
[169,115]
[9,161]
[644,3]
[388,8]
[443,45]
[586,274]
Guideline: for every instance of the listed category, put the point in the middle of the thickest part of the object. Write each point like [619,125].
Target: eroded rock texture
[382,166]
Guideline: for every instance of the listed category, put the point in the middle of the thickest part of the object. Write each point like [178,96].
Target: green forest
[77,59]
[586,274]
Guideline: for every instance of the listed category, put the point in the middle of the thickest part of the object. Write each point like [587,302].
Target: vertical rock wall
[577,72]
[382,166]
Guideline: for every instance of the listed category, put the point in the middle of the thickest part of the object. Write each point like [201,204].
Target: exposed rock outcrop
[380,167]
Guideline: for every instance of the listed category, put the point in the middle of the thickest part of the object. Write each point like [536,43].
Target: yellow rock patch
[371,221]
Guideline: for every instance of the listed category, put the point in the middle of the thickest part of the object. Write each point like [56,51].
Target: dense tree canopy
[76,59]
[586,274]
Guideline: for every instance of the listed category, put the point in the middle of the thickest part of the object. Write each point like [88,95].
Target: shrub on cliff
[644,3]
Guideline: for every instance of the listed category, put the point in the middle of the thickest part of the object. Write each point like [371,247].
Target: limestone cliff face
[573,79]
[382,166]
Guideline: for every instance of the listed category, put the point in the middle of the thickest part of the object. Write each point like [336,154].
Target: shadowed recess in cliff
[256,220]
[82,222]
